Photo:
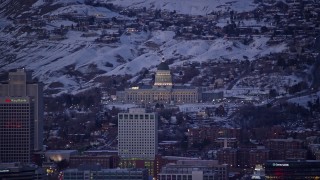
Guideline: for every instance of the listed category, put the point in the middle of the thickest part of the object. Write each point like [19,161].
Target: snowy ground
[57,61]
[49,59]
[199,7]
[303,100]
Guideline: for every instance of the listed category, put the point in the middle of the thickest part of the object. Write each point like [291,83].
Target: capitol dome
[163,66]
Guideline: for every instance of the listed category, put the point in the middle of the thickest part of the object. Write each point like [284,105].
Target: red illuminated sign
[15,100]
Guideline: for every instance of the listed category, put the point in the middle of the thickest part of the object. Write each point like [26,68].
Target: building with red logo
[21,114]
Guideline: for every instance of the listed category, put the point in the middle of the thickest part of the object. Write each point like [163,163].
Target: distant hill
[68,44]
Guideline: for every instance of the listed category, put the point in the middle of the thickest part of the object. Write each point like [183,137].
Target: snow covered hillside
[199,7]
[74,52]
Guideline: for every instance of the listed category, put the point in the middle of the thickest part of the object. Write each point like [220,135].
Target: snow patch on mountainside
[82,9]
[147,60]
[304,100]
[72,64]
[160,37]
[65,2]
[199,50]
[199,7]
[54,61]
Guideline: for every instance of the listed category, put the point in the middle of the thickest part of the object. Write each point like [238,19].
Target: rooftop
[163,66]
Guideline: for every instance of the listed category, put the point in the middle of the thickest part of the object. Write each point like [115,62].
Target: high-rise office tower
[21,117]
[137,134]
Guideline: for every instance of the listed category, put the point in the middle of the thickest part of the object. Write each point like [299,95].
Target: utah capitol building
[163,90]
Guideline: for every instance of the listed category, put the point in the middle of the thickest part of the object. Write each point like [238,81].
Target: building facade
[258,156]
[137,134]
[21,117]
[163,91]
[292,169]
[227,156]
[105,161]
[16,126]
[21,171]
[194,170]
[110,174]
[281,149]
[138,139]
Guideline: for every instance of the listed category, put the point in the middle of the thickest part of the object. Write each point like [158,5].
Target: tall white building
[137,134]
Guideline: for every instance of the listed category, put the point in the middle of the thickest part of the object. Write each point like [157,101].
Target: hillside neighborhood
[256,74]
